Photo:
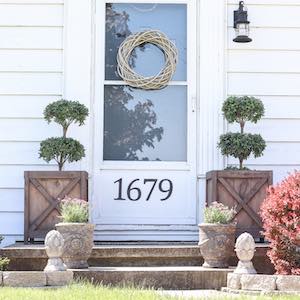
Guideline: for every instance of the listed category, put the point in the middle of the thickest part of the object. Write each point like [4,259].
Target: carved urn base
[216,242]
[79,242]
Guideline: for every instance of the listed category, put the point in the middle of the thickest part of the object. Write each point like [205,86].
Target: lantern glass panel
[242,29]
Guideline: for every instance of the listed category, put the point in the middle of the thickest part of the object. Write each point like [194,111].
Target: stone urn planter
[216,242]
[79,242]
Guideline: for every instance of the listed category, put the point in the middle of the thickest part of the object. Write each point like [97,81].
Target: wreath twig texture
[161,79]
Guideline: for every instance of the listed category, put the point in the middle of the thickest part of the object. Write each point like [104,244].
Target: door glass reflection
[145,125]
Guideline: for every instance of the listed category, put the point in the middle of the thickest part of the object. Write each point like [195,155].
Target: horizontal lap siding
[31,76]
[269,68]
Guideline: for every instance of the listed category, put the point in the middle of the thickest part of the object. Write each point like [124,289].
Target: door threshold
[144,243]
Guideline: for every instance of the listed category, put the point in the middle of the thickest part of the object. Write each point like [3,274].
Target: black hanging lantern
[241,24]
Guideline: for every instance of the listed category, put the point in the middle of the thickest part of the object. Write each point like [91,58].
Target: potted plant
[4,261]
[78,234]
[217,235]
[44,188]
[239,186]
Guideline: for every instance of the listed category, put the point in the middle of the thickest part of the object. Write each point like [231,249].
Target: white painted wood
[12,222]
[274,130]
[269,16]
[289,154]
[20,153]
[12,177]
[30,83]
[269,68]
[281,107]
[31,15]
[30,60]
[27,130]
[264,84]
[30,2]
[31,37]
[211,82]
[78,67]
[268,39]
[11,200]
[31,65]
[263,61]
[280,172]
[24,106]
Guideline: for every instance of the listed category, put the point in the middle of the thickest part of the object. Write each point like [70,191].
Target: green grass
[84,291]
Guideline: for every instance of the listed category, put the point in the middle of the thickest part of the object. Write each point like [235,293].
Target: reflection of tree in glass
[116,31]
[126,130]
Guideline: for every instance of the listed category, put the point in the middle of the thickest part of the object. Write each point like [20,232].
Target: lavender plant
[74,210]
[218,213]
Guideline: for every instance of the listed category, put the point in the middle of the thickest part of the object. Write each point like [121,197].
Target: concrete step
[33,257]
[169,278]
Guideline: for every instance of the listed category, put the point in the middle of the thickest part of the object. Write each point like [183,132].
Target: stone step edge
[113,252]
[35,278]
[154,269]
[263,283]
[260,293]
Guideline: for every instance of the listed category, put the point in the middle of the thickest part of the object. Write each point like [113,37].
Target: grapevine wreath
[157,81]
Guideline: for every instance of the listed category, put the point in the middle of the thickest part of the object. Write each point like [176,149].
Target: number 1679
[134,193]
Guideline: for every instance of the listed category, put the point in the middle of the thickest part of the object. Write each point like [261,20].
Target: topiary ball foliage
[241,145]
[61,150]
[242,109]
[65,112]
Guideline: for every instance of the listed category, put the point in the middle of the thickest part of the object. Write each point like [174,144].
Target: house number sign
[135,189]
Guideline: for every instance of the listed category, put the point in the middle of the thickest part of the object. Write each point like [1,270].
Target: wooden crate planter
[42,191]
[244,190]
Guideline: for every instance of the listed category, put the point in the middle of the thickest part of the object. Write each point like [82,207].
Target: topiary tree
[280,213]
[63,149]
[241,145]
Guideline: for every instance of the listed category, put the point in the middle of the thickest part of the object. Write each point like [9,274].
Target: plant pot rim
[240,171]
[216,225]
[74,224]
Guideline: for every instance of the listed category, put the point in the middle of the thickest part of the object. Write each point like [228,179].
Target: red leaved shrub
[280,212]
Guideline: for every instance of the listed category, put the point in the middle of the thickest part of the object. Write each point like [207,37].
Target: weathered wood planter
[244,190]
[42,191]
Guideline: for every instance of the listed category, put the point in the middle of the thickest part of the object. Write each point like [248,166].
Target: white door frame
[99,89]
[79,79]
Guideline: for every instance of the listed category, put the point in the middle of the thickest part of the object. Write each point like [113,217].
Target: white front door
[144,183]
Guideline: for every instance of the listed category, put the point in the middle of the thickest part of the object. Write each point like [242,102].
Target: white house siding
[269,68]
[31,75]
